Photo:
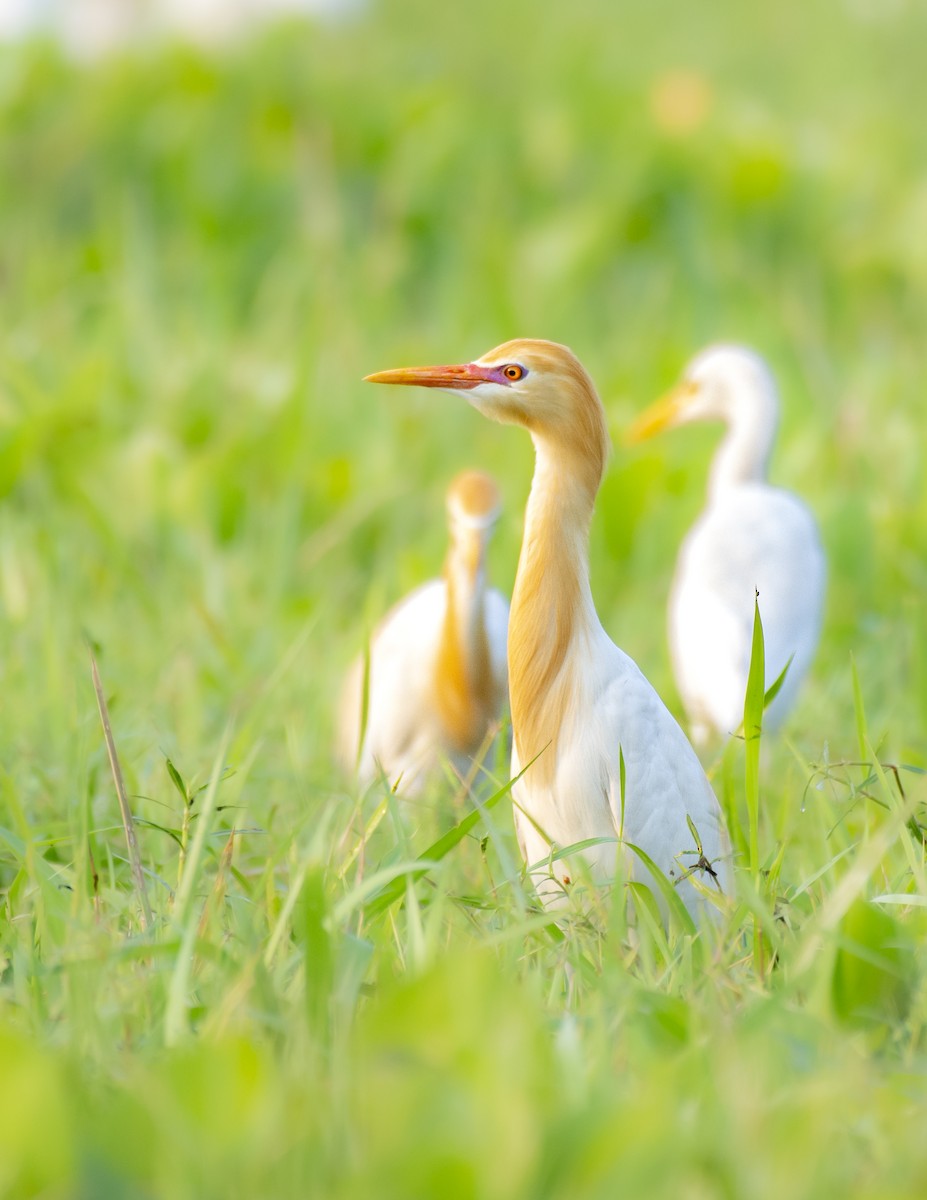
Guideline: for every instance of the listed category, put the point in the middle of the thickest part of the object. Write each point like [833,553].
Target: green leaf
[178,782]
[753,728]
[874,970]
[365,704]
[694,831]
[317,944]
[755,694]
[677,910]
[776,687]
[649,918]
[907,899]
[566,851]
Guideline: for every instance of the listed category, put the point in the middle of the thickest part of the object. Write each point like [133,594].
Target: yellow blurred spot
[680,101]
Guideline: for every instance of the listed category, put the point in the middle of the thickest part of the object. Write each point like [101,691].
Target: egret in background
[751,538]
[603,758]
[436,680]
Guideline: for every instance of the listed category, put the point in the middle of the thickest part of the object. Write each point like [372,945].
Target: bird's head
[722,383]
[538,384]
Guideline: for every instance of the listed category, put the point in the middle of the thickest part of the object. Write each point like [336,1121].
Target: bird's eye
[514,372]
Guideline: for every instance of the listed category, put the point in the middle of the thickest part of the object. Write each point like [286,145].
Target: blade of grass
[286,912]
[217,898]
[753,728]
[135,860]
[674,903]
[191,868]
[364,705]
[560,852]
[384,886]
[776,686]
[396,888]
[175,1015]
[375,818]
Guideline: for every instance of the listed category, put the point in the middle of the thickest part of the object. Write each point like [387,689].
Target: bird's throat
[743,455]
[464,685]
[551,606]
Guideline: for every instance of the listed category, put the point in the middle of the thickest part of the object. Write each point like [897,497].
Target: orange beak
[458,378]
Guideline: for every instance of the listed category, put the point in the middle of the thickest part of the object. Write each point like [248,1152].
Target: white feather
[617,715]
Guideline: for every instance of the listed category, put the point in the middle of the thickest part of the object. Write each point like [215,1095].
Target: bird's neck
[464,686]
[743,456]
[552,602]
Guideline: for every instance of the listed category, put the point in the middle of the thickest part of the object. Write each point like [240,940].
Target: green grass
[355,995]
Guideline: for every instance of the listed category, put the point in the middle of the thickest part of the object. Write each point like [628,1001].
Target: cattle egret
[751,538]
[437,670]
[604,759]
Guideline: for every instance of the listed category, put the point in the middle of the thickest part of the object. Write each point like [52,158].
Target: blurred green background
[201,255]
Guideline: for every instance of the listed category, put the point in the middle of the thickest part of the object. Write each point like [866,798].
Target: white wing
[664,783]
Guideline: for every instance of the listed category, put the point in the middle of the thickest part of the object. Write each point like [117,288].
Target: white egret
[751,537]
[604,758]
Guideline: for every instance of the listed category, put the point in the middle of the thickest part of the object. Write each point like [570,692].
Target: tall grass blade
[365,705]
[319,953]
[185,887]
[135,860]
[776,686]
[754,700]
[753,729]
[909,899]
[674,904]
[175,1016]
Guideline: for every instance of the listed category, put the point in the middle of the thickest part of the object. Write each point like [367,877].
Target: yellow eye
[514,372]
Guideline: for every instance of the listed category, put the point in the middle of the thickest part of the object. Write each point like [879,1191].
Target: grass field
[199,261]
